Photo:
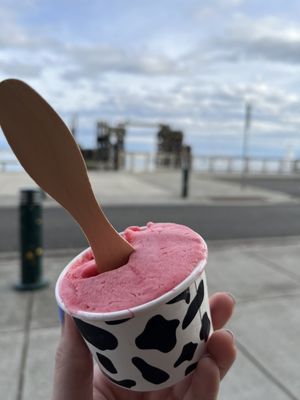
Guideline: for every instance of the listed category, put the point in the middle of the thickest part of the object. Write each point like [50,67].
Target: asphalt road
[213,222]
[288,185]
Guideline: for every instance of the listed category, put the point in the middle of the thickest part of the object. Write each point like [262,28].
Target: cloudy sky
[192,64]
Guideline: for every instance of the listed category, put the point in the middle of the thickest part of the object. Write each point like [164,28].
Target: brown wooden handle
[48,152]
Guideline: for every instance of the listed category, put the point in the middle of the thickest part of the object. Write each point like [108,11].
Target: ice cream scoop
[48,152]
[165,255]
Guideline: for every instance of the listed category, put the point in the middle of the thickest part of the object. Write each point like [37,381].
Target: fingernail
[232,296]
[231,334]
[61,316]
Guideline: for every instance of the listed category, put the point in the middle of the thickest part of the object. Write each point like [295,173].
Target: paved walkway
[264,277]
[262,274]
[162,187]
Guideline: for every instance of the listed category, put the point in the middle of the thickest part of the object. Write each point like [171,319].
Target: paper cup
[154,345]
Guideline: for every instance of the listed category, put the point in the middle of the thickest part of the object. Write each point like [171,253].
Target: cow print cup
[154,345]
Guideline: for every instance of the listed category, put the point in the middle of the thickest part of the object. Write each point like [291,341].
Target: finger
[221,308]
[221,347]
[205,381]
[74,366]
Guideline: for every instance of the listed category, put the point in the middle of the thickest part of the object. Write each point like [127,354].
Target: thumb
[73,375]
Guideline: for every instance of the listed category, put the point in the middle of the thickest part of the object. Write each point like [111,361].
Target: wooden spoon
[48,152]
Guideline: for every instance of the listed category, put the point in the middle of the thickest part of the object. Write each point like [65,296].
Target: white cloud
[94,60]
[270,38]
[215,8]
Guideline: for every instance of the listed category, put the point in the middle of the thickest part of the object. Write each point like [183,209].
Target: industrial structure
[110,141]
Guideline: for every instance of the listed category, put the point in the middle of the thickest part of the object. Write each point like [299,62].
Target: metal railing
[255,165]
[148,162]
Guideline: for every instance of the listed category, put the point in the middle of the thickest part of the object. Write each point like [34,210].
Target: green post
[31,247]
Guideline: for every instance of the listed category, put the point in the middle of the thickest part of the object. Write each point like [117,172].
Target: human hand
[77,378]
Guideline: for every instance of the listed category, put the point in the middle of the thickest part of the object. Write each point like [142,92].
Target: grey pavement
[262,274]
[161,187]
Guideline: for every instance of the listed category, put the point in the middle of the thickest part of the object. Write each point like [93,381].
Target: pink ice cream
[165,254]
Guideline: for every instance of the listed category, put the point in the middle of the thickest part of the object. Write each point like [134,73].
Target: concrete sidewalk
[264,277]
[161,187]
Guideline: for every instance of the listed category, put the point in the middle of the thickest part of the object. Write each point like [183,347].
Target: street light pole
[248,119]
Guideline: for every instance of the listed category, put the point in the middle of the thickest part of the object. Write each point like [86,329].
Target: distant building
[169,147]
[109,149]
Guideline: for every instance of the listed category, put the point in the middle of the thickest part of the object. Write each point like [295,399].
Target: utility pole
[247,124]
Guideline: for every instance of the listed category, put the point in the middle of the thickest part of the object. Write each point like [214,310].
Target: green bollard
[31,241]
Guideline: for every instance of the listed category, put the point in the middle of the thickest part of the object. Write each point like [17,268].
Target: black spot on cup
[98,337]
[205,327]
[185,295]
[149,372]
[194,306]
[117,321]
[190,368]
[159,334]
[127,383]
[187,353]
[106,363]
